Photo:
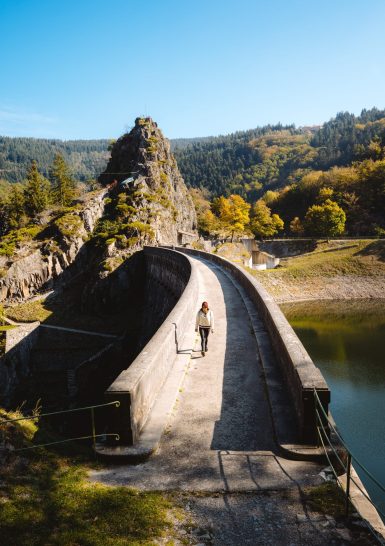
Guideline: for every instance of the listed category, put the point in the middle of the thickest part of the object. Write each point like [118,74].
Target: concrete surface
[301,375]
[218,456]
[138,386]
[220,435]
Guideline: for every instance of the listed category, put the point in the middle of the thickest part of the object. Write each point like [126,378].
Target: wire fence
[93,434]
[340,458]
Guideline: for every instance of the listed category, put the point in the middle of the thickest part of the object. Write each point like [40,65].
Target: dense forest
[86,158]
[291,169]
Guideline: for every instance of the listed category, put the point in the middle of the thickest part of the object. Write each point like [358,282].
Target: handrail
[347,448]
[117,437]
[323,435]
[115,402]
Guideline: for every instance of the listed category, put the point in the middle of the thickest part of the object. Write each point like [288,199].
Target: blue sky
[87,68]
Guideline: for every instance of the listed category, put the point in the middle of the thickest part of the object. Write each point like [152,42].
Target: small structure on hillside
[259,260]
[185,237]
[125,184]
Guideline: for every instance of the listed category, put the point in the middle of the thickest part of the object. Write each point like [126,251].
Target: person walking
[205,323]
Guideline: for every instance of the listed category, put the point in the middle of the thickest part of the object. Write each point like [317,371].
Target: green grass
[312,270]
[329,261]
[327,498]
[46,499]
[29,311]
[64,309]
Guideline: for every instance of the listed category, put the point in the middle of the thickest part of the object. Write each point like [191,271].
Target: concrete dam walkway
[222,433]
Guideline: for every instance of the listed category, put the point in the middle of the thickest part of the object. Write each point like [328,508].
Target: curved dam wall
[298,369]
[171,294]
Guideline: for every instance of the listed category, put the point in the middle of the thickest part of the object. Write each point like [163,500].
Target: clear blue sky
[87,68]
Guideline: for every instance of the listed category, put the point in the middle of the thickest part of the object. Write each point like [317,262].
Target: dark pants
[204,333]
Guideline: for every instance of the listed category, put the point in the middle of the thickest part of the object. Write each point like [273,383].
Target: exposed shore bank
[348,270]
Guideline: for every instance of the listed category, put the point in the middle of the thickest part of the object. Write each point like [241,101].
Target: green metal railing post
[93,436]
[93,428]
[317,425]
[348,472]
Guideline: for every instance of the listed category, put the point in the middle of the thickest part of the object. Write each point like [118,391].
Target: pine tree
[13,213]
[63,185]
[36,191]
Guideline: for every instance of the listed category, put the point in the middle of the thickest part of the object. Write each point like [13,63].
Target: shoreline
[341,287]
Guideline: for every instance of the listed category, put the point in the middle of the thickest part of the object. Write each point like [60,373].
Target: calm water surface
[346,340]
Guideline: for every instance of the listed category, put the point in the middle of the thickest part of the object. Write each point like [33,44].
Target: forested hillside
[266,158]
[291,169]
[86,158]
[337,167]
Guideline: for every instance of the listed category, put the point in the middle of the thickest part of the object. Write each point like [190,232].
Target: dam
[255,372]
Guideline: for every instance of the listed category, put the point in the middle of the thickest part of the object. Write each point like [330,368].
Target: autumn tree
[324,194]
[207,221]
[36,191]
[63,185]
[233,213]
[262,222]
[325,220]
[296,226]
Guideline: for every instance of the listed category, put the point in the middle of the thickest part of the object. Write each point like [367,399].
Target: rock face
[143,167]
[145,201]
[36,264]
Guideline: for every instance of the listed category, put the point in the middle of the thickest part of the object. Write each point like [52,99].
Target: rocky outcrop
[148,203]
[36,264]
[143,167]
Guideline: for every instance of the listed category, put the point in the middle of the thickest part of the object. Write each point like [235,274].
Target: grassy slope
[308,275]
[65,310]
[45,499]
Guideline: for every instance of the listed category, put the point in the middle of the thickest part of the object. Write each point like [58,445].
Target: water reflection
[346,340]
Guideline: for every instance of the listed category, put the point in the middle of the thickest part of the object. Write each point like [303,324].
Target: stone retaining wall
[15,364]
[301,374]
[136,388]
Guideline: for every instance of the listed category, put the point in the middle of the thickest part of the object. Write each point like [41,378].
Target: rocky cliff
[143,168]
[148,204]
[42,254]
[144,201]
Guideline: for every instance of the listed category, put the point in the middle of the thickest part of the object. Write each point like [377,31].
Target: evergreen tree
[12,210]
[63,185]
[36,191]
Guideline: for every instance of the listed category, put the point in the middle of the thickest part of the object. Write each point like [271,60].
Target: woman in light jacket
[205,323]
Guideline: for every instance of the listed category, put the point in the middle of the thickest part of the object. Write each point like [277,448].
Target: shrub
[163,177]
[69,225]
[106,266]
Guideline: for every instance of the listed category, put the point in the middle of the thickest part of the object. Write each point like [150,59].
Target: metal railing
[115,403]
[324,428]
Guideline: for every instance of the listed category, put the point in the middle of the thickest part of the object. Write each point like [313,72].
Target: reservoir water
[346,340]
